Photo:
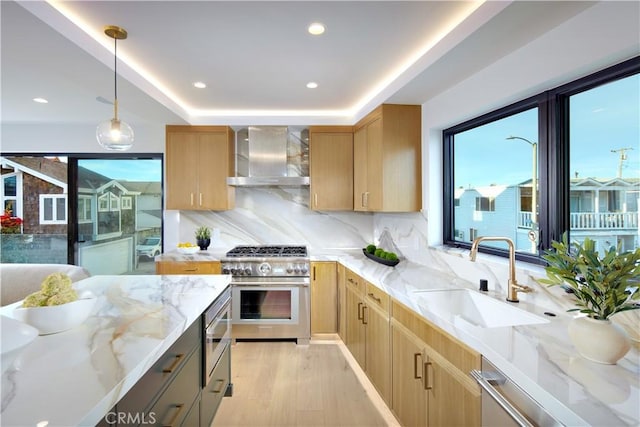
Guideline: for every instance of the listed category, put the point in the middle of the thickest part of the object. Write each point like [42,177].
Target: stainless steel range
[270,292]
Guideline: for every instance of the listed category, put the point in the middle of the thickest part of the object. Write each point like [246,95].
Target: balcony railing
[592,220]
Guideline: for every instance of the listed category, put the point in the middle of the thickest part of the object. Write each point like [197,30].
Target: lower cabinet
[367,331]
[324,298]
[167,393]
[431,385]
[213,393]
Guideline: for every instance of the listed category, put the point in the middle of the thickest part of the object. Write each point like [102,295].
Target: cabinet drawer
[355,281]
[173,406]
[164,370]
[188,267]
[213,393]
[377,297]
[455,352]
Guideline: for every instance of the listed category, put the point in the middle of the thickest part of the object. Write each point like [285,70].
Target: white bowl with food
[16,336]
[56,318]
[188,250]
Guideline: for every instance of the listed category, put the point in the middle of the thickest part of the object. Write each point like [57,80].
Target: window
[11,184]
[126,203]
[53,209]
[564,160]
[84,209]
[103,203]
[114,203]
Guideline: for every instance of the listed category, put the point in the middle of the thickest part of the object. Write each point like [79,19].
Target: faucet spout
[513,287]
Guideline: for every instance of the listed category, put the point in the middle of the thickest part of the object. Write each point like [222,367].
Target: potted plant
[203,237]
[603,286]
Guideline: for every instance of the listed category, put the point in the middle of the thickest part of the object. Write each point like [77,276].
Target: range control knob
[304,269]
[247,270]
[289,268]
[264,268]
[226,269]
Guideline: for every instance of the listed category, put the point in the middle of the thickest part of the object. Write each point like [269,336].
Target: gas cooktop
[268,251]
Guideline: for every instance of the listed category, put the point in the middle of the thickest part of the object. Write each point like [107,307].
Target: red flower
[10,224]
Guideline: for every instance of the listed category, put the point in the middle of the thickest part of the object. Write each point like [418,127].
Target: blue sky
[602,119]
[125,169]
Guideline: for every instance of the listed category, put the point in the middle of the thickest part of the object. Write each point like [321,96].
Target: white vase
[601,341]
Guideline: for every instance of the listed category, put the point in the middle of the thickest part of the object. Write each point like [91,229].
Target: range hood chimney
[270,155]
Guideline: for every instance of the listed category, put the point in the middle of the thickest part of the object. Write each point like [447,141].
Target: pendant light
[114,134]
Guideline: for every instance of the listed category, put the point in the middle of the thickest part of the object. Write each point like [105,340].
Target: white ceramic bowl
[16,336]
[189,250]
[56,318]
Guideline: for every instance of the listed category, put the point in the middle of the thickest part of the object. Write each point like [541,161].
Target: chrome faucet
[513,287]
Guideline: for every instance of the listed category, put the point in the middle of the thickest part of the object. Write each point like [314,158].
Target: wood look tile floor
[281,384]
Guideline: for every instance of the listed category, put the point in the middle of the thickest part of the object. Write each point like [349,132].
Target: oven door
[265,304]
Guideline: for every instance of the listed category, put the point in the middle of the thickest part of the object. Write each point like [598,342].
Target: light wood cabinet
[367,331]
[199,159]
[342,289]
[430,378]
[387,168]
[331,168]
[324,298]
[188,267]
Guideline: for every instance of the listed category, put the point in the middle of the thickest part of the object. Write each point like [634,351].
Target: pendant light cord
[115,77]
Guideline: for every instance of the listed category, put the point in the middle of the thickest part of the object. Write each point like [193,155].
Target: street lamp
[533,234]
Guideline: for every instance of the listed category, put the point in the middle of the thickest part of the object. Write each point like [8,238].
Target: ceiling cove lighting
[114,134]
[312,85]
[200,85]
[40,100]
[316,28]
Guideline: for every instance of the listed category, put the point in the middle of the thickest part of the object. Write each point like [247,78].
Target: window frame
[553,157]
[54,213]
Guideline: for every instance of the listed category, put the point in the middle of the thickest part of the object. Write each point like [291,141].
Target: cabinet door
[324,298]
[331,169]
[409,396]
[213,191]
[360,169]
[182,170]
[378,349]
[453,400]
[375,168]
[355,328]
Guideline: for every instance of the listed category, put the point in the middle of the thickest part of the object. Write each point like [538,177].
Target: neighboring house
[35,189]
[605,210]
[149,205]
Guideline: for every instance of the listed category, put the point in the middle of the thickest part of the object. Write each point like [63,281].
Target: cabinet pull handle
[219,386]
[427,381]
[314,272]
[362,201]
[315,199]
[191,199]
[200,199]
[415,366]
[179,408]
[191,269]
[175,363]
[350,280]
[375,298]
[364,321]
[360,317]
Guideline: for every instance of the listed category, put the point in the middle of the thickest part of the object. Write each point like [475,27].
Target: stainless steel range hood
[270,155]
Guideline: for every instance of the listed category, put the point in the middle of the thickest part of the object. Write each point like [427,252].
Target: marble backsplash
[280,215]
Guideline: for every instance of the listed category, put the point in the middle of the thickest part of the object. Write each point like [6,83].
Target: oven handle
[268,284]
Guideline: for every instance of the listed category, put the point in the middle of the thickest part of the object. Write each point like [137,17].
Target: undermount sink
[471,307]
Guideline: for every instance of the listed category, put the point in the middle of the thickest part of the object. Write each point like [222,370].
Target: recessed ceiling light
[316,29]
[199,85]
[312,85]
[40,100]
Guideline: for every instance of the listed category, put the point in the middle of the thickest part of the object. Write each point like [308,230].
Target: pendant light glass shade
[114,134]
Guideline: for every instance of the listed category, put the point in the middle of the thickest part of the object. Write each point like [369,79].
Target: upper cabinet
[199,159]
[387,168]
[331,168]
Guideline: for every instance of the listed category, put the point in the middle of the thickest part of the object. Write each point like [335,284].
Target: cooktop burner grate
[268,251]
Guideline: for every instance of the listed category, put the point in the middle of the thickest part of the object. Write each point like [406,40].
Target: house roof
[50,170]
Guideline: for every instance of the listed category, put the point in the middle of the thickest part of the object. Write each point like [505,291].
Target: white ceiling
[256,57]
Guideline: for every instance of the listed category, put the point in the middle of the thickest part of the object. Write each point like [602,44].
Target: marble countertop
[539,358]
[75,377]
[200,256]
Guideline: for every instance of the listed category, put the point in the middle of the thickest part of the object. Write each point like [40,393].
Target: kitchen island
[77,376]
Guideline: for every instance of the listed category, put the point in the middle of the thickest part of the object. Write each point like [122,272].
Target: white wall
[601,36]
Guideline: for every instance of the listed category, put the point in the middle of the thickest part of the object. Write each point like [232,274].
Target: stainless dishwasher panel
[506,404]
